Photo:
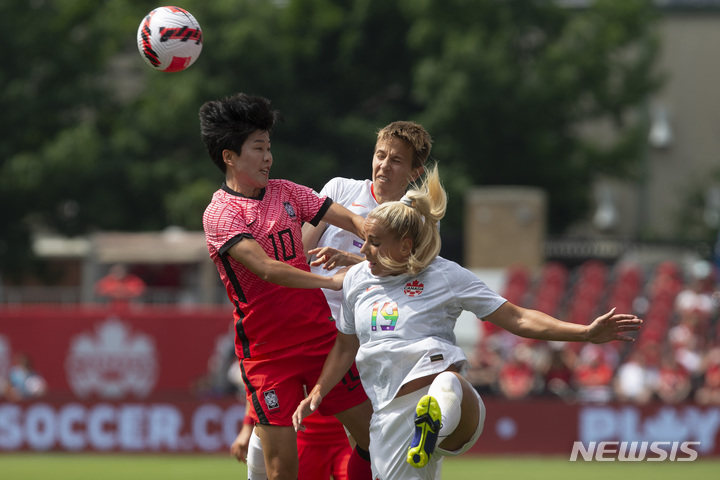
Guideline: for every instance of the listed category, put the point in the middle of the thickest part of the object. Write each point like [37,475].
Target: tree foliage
[505,89]
[93,139]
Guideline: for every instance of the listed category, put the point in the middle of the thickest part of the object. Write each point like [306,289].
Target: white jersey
[357,196]
[405,323]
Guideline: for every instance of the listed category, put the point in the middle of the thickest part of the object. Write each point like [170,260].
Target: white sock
[255,460]
[447,390]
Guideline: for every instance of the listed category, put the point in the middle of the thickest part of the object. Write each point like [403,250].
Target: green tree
[53,94]
[505,86]
[97,140]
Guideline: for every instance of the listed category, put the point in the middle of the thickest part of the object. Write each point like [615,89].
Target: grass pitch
[217,467]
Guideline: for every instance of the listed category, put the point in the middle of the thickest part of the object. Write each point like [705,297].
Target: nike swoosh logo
[372,288]
[351,388]
[357,205]
[252,222]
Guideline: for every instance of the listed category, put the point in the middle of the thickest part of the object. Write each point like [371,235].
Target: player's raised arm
[343,218]
[331,258]
[328,257]
[311,236]
[248,252]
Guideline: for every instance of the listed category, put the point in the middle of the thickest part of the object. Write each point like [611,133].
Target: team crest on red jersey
[413,289]
[290,210]
[271,400]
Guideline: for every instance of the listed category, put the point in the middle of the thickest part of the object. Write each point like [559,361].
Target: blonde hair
[415,216]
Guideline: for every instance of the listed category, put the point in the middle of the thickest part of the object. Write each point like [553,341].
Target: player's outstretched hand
[331,258]
[306,407]
[613,326]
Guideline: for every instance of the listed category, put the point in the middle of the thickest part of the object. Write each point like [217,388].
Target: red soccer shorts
[274,382]
[323,449]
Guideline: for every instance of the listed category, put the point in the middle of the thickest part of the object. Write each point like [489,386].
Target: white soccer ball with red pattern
[169,39]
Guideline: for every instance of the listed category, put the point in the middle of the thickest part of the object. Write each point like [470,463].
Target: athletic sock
[255,460]
[358,466]
[447,390]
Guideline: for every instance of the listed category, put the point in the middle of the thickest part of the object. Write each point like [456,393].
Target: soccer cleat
[427,426]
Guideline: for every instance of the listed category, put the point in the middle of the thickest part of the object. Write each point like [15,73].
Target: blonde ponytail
[415,216]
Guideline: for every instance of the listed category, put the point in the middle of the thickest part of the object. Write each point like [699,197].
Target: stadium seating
[581,293]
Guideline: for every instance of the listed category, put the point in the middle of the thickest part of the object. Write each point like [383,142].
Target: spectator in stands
[23,381]
[697,298]
[716,252]
[673,383]
[633,380]
[558,376]
[516,378]
[592,376]
[223,376]
[687,343]
[709,391]
[484,368]
[120,286]
[539,358]
[5,362]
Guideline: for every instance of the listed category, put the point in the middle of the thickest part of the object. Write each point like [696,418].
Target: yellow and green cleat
[427,426]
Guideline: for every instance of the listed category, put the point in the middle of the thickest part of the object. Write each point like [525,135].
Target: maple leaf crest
[112,361]
[414,288]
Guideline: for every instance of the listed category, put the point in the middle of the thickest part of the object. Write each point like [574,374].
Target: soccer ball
[169,39]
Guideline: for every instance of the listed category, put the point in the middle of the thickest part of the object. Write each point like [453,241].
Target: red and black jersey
[268,317]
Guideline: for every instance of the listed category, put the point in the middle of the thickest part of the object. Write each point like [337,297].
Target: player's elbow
[267,272]
[270,276]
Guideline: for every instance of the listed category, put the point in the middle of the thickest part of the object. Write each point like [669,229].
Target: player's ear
[417,172]
[406,246]
[228,156]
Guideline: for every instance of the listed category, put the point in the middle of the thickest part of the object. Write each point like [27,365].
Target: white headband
[408,201]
